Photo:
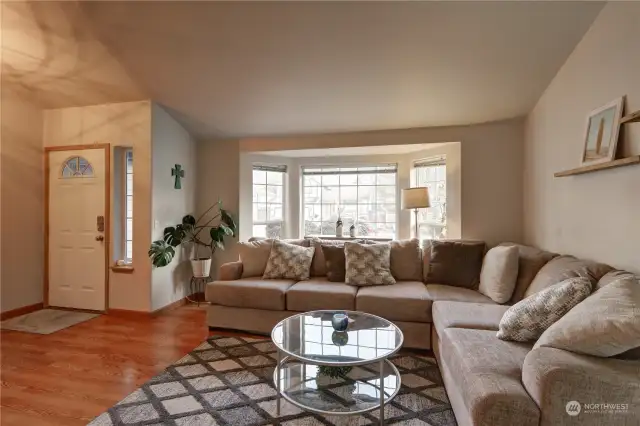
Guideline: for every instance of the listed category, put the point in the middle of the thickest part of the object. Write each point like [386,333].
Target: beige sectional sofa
[489,381]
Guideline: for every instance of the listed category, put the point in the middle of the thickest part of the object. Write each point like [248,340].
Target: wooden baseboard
[125,313]
[128,314]
[169,307]
[20,311]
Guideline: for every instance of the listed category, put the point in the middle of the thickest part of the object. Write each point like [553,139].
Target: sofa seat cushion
[253,293]
[477,316]
[319,293]
[402,301]
[487,371]
[457,294]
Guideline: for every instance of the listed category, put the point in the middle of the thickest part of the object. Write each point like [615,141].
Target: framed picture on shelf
[601,138]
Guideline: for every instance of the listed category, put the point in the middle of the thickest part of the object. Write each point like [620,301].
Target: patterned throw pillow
[368,264]
[288,261]
[606,324]
[528,319]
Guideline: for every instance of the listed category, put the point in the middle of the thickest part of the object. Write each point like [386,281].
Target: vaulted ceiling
[235,69]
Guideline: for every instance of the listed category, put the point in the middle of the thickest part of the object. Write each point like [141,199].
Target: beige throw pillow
[254,256]
[606,324]
[528,319]
[288,261]
[499,273]
[368,264]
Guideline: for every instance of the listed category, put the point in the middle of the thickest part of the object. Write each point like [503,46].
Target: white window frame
[127,191]
[438,207]
[349,169]
[270,168]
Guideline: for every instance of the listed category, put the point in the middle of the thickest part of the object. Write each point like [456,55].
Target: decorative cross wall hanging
[179,174]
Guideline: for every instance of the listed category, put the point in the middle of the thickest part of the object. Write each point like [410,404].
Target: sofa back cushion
[606,324]
[335,262]
[455,262]
[254,255]
[564,267]
[613,276]
[406,260]
[530,261]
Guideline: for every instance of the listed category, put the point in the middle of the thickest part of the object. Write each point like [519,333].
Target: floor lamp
[415,198]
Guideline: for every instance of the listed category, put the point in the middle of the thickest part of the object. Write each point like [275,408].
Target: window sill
[347,238]
[122,269]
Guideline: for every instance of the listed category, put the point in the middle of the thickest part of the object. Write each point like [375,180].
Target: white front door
[77,239]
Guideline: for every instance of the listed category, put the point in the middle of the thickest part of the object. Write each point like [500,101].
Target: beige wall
[219,178]
[122,124]
[171,144]
[594,215]
[491,170]
[21,201]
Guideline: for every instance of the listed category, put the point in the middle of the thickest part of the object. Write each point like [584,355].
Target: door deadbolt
[100,223]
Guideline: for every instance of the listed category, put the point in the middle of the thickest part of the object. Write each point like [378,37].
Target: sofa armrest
[554,377]
[230,271]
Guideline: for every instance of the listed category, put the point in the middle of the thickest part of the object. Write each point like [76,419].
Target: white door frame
[107,216]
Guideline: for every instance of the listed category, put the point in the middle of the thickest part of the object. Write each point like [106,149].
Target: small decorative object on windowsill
[339,227]
[340,321]
[352,230]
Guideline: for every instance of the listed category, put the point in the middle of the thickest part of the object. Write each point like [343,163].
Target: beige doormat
[46,321]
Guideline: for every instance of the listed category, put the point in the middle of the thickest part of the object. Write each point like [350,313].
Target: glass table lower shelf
[336,391]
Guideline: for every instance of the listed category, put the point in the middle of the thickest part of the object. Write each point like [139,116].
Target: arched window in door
[76,167]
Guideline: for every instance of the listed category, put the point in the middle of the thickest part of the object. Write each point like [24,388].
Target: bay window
[432,173]
[365,196]
[268,200]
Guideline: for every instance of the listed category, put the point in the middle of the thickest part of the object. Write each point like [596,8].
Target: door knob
[100,238]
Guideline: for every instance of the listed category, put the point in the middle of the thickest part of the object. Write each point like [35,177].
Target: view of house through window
[432,173]
[268,200]
[128,210]
[365,196]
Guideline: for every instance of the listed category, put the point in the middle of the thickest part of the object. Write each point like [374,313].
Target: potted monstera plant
[216,223]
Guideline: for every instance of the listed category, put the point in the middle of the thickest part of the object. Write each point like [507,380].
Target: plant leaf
[217,234]
[188,222]
[228,220]
[226,229]
[161,253]
[174,236]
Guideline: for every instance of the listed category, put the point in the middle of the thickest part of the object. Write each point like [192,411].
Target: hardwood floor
[69,377]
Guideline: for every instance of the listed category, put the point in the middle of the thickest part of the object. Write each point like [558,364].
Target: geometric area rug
[228,381]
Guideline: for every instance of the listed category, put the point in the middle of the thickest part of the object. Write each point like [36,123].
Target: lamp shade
[415,198]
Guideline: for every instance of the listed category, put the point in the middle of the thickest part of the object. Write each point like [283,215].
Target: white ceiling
[356,150]
[237,69]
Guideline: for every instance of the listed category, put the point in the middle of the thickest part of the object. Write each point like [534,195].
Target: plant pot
[201,267]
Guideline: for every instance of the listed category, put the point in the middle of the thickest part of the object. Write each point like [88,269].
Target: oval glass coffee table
[336,373]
